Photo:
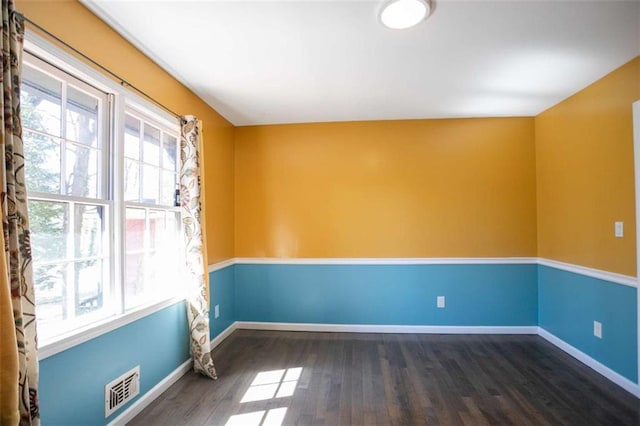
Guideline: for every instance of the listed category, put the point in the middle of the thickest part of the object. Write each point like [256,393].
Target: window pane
[82,117]
[160,273]
[49,222]
[88,279]
[134,260]
[131,180]
[173,224]
[131,137]
[168,188]
[165,261]
[172,241]
[134,231]
[134,279]
[153,271]
[42,156]
[88,233]
[81,171]
[169,149]
[150,182]
[156,228]
[40,101]
[151,145]
[49,289]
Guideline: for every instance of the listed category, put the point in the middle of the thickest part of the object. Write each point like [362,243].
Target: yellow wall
[420,188]
[585,176]
[77,26]
[404,188]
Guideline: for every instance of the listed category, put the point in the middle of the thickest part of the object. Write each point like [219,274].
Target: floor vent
[121,390]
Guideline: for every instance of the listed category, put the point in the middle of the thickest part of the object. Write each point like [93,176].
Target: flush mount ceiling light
[403,14]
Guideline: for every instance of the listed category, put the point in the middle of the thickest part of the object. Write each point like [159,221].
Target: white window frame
[122,99]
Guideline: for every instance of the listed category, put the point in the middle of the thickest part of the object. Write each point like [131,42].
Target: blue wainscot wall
[569,303]
[222,293]
[476,294]
[72,382]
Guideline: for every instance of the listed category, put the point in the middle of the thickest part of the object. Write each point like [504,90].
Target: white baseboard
[146,399]
[366,328]
[220,337]
[616,378]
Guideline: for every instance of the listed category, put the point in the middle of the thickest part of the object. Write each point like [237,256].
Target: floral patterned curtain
[197,298]
[15,226]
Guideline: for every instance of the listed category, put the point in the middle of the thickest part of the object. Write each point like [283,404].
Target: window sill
[76,337]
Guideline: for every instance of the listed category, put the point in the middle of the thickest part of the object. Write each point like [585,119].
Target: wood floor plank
[392,379]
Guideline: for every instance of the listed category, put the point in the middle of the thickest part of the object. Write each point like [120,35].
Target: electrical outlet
[216,311]
[619,229]
[597,329]
[440,302]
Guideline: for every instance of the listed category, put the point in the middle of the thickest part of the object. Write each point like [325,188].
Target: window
[150,178]
[65,148]
[101,170]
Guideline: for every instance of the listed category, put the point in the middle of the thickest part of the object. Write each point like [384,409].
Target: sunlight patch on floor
[273,417]
[273,384]
[267,385]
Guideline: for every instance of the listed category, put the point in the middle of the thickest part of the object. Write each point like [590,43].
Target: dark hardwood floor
[301,378]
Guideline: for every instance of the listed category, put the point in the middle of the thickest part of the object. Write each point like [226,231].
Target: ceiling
[267,62]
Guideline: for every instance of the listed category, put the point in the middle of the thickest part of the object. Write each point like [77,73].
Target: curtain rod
[122,81]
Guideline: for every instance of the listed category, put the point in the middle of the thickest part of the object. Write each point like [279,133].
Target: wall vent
[121,390]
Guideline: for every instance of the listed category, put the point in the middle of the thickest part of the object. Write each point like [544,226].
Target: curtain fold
[9,412]
[197,287]
[18,275]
